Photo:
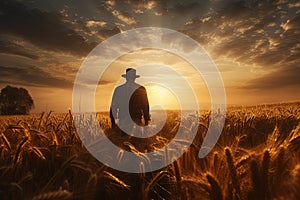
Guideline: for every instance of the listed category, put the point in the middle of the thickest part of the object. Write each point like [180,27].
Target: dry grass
[256,157]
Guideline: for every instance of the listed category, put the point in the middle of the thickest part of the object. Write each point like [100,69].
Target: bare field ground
[256,157]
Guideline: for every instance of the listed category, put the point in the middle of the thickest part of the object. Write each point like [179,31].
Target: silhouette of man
[129,103]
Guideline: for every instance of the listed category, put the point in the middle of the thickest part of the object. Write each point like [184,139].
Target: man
[129,103]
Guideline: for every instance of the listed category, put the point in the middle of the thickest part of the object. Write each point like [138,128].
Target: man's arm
[113,108]
[145,105]
[112,119]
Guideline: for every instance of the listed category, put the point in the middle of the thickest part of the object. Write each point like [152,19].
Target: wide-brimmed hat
[131,73]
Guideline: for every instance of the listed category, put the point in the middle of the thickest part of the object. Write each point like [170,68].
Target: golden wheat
[256,157]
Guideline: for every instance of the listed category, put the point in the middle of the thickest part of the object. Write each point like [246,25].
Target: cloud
[124,18]
[281,78]
[106,33]
[46,30]
[165,13]
[261,34]
[120,10]
[8,47]
[294,5]
[175,41]
[31,76]
[292,24]
[93,23]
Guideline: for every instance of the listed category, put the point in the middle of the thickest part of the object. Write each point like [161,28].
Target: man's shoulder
[120,87]
[139,86]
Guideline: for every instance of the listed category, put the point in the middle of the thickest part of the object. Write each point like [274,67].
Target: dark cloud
[163,13]
[31,76]
[106,33]
[293,23]
[184,8]
[8,47]
[46,30]
[236,10]
[281,78]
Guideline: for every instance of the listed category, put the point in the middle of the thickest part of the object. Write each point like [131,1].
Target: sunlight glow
[161,97]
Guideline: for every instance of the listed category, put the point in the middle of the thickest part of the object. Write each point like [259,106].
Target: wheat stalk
[116,180]
[156,179]
[233,172]
[177,172]
[279,170]
[56,195]
[264,174]
[16,158]
[6,142]
[256,182]
[215,192]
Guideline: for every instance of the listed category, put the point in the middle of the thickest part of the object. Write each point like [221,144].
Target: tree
[15,101]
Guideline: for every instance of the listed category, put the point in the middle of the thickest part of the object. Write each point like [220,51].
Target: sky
[254,44]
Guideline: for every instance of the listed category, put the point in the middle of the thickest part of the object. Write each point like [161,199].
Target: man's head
[130,75]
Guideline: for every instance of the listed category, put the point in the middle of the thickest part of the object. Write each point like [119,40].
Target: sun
[161,97]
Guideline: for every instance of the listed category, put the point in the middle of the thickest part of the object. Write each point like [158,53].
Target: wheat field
[257,157]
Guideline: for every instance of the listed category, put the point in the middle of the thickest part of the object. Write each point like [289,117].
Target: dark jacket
[138,106]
